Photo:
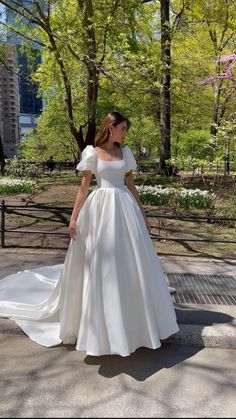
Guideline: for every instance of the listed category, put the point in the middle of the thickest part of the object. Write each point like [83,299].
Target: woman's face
[119,132]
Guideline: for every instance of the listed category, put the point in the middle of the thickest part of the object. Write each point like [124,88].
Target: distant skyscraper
[30,105]
[29,102]
[9,102]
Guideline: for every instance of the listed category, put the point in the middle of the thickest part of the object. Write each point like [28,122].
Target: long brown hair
[112,118]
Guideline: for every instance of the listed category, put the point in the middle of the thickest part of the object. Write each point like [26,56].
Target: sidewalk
[207,325]
[203,325]
[191,375]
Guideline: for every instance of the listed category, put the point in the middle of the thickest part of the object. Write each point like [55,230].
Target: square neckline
[111,161]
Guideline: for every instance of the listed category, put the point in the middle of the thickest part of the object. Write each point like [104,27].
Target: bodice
[110,174]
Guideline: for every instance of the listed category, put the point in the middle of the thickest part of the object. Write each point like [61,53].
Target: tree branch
[22,10]
[23,35]
[116,4]
[180,14]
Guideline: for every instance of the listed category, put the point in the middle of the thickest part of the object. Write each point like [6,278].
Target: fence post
[3,207]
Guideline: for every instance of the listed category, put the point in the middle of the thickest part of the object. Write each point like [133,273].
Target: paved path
[176,380]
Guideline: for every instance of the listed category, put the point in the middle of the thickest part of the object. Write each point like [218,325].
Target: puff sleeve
[88,159]
[129,159]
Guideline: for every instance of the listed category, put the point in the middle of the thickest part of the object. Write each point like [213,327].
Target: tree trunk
[215,112]
[92,69]
[165,147]
[92,96]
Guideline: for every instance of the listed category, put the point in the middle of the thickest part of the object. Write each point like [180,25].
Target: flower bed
[11,186]
[187,198]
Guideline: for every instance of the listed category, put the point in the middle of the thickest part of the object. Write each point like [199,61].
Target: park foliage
[100,55]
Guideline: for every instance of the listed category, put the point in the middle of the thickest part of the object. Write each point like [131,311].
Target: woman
[110,296]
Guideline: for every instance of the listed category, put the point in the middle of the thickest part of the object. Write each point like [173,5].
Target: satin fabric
[110,296]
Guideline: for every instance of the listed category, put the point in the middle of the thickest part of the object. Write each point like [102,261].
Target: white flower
[15,182]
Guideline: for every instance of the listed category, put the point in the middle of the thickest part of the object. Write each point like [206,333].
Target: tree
[80,30]
[225,141]
[224,80]
[165,99]
[218,17]
[51,136]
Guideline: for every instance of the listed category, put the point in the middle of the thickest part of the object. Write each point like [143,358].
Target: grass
[59,178]
[195,230]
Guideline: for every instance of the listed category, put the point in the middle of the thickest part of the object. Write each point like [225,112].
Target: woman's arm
[129,180]
[80,198]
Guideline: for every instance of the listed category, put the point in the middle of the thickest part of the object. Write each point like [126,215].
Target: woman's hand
[72,229]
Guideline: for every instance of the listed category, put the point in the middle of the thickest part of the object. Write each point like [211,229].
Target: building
[30,105]
[9,102]
[27,122]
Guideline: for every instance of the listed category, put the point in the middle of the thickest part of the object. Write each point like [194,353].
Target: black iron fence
[45,167]
[192,218]
[17,210]
[61,215]
[144,165]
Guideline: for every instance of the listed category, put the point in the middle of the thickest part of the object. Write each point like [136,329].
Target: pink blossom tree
[224,80]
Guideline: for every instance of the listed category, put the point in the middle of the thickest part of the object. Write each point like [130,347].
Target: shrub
[227,210]
[18,168]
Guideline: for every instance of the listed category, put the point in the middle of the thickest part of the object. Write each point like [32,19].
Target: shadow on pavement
[201,316]
[143,363]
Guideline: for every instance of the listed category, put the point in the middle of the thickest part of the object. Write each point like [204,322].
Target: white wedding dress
[110,296]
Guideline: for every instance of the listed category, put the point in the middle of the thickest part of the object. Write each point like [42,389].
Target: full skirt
[109,297]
